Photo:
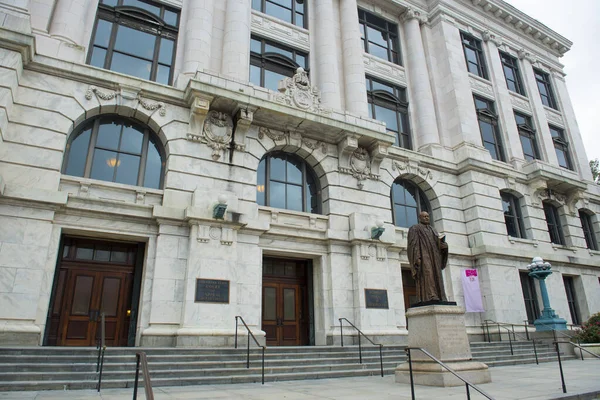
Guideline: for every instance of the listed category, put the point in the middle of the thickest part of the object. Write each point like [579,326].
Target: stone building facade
[127,126]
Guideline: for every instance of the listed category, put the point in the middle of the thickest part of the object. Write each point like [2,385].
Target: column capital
[525,55]
[491,37]
[411,13]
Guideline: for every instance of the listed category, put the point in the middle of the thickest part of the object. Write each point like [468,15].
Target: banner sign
[470,283]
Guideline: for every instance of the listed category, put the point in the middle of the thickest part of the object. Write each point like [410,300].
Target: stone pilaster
[355,90]
[69,25]
[197,35]
[236,40]
[328,77]
[424,121]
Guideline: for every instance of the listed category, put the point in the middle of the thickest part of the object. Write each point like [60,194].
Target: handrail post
[499,332]
[102,348]
[487,325]
[137,376]
[580,351]
[248,354]
[263,365]
[381,358]
[341,333]
[359,350]
[526,330]
[562,377]
[468,394]
[511,346]
[513,331]
[236,328]
[412,384]
[535,352]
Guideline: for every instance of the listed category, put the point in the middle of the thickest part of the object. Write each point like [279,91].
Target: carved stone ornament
[411,13]
[100,94]
[298,92]
[491,37]
[413,168]
[125,94]
[548,194]
[360,166]
[313,145]
[525,55]
[152,106]
[217,132]
[263,131]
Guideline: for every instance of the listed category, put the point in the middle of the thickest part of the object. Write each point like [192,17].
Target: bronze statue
[428,255]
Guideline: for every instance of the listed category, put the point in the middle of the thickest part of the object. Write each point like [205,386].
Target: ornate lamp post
[549,320]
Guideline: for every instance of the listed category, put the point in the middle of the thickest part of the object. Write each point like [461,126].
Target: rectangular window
[529,297]
[561,146]
[379,37]
[588,230]
[387,103]
[512,215]
[527,136]
[572,300]
[291,11]
[545,88]
[271,62]
[474,55]
[488,127]
[131,42]
[554,225]
[512,74]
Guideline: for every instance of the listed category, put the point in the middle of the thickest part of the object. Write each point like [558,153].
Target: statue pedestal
[440,329]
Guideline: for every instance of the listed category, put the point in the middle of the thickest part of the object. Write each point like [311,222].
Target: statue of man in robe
[428,255]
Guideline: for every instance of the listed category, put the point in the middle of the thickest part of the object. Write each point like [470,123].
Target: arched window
[286,181]
[115,149]
[512,215]
[407,202]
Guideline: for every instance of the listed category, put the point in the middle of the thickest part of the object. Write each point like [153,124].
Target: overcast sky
[578,21]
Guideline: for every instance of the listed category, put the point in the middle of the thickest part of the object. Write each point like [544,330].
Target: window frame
[387,28]
[306,171]
[263,9]
[516,219]
[470,42]
[527,131]
[555,228]
[510,62]
[421,200]
[94,124]
[275,62]
[587,226]
[532,308]
[561,145]
[542,79]
[395,101]
[489,116]
[141,20]
[569,283]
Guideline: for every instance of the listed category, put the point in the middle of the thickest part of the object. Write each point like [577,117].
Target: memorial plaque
[212,291]
[376,298]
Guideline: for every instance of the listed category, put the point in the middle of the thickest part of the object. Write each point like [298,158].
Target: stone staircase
[58,368]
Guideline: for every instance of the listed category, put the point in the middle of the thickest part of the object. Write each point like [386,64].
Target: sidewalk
[531,382]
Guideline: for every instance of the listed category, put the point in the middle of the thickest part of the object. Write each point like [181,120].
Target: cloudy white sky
[578,21]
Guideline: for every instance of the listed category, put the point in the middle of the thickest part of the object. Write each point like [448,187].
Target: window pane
[85,252]
[153,171]
[562,158]
[487,131]
[255,75]
[376,36]
[289,304]
[165,55]
[277,194]
[294,198]
[131,140]
[82,295]
[301,60]
[294,173]
[103,30]
[148,7]
[108,135]
[110,296]
[378,51]
[398,193]
[78,150]
[272,79]
[277,168]
[471,55]
[128,167]
[269,48]
[260,183]
[411,196]
[278,12]
[527,148]
[103,166]
[270,303]
[401,216]
[98,57]
[388,116]
[131,66]
[256,5]
[111,3]
[102,253]
[134,42]
[163,75]
[299,20]
[380,86]
[411,216]
[171,18]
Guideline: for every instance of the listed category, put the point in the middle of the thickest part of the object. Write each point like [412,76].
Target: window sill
[557,247]
[113,185]
[279,21]
[514,240]
[594,252]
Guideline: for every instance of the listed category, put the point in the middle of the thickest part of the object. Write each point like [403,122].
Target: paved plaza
[531,382]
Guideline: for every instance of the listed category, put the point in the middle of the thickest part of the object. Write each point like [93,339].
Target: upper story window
[512,215]
[387,103]
[292,11]
[379,37]
[271,62]
[561,146]
[408,201]
[488,126]
[527,136]
[512,74]
[286,181]
[115,149]
[474,55]
[136,38]
[554,225]
[545,88]
[588,230]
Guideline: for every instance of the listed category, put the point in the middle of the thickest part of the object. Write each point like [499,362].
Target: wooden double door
[285,310]
[93,278]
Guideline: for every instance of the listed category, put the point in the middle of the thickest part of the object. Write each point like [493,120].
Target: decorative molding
[244,118]
[359,166]
[227,236]
[554,116]
[217,132]
[480,86]
[315,145]
[298,92]
[383,69]
[412,167]
[521,103]
[203,234]
[491,37]
[100,94]
[264,131]
[525,55]
[152,106]
[140,196]
[198,112]
[381,253]
[214,232]
[271,28]
[548,194]
[411,13]
[364,251]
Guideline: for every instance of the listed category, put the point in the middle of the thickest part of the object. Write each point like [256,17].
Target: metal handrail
[141,358]
[562,377]
[467,383]
[248,349]
[359,345]
[101,351]
[502,324]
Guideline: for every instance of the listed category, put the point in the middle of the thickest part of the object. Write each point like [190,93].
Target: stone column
[67,20]
[236,40]
[545,143]
[197,35]
[355,90]
[328,77]
[425,120]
